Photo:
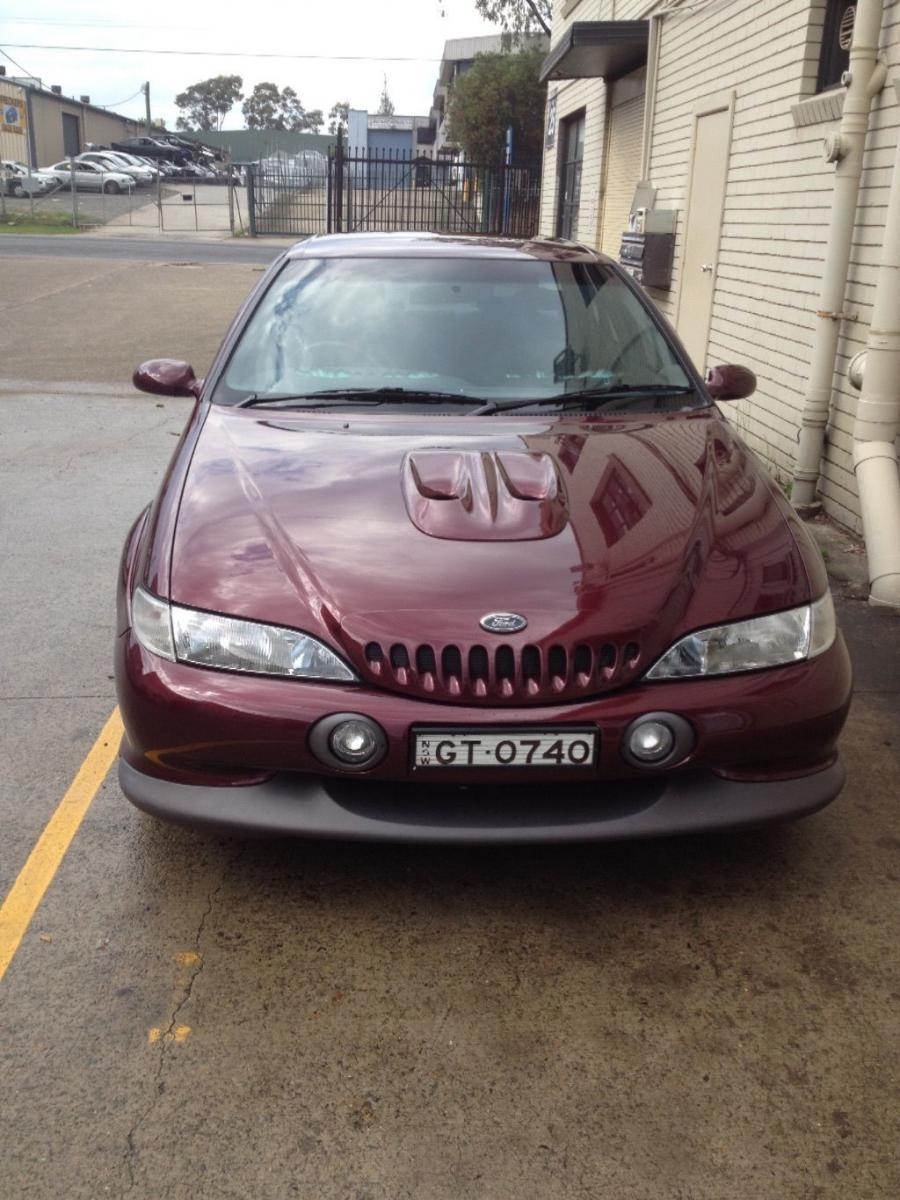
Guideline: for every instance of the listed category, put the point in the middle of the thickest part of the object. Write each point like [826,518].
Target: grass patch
[37,223]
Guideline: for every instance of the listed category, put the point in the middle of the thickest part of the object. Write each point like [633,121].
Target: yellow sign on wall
[12,112]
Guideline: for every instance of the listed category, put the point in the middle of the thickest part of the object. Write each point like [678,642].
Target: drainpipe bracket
[808,510]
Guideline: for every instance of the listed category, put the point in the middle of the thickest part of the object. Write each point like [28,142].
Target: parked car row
[136,162]
[173,155]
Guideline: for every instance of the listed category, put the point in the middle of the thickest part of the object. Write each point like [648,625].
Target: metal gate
[391,190]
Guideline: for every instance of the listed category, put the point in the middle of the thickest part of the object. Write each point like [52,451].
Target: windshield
[478,327]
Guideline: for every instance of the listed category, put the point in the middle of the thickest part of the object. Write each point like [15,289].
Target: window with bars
[834,58]
[571,156]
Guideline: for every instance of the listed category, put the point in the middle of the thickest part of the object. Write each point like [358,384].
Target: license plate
[539,749]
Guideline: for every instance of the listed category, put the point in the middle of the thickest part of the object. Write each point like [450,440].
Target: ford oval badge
[503,622]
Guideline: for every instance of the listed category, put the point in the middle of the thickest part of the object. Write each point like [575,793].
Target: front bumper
[367,810]
[228,751]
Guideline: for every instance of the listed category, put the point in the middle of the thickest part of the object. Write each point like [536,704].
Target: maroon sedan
[457,546]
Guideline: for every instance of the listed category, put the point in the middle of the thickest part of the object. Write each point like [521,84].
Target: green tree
[338,115]
[295,116]
[518,16]
[385,104]
[271,107]
[205,105]
[499,90]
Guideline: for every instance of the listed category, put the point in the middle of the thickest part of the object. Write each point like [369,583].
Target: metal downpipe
[878,417]
[867,77]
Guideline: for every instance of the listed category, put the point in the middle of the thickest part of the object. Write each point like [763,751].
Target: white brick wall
[777,203]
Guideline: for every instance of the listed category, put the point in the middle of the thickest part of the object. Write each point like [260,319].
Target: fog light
[348,741]
[353,742]
[651,741]
[657,739]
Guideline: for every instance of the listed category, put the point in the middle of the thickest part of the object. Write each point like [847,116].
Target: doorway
[71,135]
[572,155]
[624,137]
[703,226]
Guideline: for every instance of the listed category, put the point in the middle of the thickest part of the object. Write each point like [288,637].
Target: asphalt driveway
[188,1016]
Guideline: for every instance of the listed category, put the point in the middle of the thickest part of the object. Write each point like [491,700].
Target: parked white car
[89,177]
[110,161]
[21,180]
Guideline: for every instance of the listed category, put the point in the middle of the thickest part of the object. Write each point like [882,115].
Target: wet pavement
[189,1016]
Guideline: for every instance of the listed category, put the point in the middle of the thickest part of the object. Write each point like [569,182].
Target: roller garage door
[623,159]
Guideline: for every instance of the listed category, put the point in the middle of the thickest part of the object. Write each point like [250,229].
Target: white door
[703,228]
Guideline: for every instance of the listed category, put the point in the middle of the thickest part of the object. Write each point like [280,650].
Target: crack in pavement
[20,303]
[166,1036]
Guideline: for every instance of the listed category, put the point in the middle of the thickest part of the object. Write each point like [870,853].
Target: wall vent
[848,20]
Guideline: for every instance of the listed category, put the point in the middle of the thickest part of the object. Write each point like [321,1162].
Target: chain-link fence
[77,193]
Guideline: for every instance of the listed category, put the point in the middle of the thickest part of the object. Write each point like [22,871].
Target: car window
[491,328]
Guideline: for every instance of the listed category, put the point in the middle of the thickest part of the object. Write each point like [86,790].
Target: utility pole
[146,91]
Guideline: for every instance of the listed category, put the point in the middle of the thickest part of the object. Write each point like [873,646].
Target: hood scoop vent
[506,496]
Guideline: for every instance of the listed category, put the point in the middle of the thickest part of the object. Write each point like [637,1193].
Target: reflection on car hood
[626,530]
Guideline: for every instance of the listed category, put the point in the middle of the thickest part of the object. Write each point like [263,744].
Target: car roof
[441,245]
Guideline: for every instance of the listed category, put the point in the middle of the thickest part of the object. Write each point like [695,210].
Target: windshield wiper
[376,395]
[602,395]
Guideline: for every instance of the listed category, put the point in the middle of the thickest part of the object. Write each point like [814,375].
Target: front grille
[527,673]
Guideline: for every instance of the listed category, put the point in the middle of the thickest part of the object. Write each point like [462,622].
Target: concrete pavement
[188,1016]
[143,246]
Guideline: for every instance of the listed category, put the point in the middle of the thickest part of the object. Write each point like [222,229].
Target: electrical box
[648,258]
[652,220]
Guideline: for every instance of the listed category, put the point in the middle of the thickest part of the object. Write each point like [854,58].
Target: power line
[100,24]
[228,53]
[18,64]
[127,100]
[87,24]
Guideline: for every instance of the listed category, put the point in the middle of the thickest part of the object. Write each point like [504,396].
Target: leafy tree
[295,116]
[518,16]
[338,115]
[499,90]
[262,108]
[270,107]
[205,105]
[385,104]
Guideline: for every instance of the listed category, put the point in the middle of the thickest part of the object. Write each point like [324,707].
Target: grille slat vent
[478,672]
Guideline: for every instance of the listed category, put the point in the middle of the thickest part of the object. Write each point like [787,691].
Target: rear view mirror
[730,382]
[167,377]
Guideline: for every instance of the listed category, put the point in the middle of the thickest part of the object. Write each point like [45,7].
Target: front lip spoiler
[366,810]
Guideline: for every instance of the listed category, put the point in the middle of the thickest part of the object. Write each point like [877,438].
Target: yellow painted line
[35,877]
[178,1033]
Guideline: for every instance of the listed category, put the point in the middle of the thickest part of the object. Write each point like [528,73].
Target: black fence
[389,190]
[289,194]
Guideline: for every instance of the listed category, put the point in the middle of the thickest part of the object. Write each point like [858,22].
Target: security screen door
[570,175]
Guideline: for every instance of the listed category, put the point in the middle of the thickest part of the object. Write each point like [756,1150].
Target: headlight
[769,641]
[230,644]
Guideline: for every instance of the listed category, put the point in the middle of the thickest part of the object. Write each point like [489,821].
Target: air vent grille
[848,20]
[496,673]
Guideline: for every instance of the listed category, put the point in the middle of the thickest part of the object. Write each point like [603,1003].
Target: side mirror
[167,377]
[730,382]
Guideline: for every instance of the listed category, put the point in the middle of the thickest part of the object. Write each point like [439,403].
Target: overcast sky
[392,28]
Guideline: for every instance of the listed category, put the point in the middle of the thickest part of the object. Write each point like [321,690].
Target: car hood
[387,535]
